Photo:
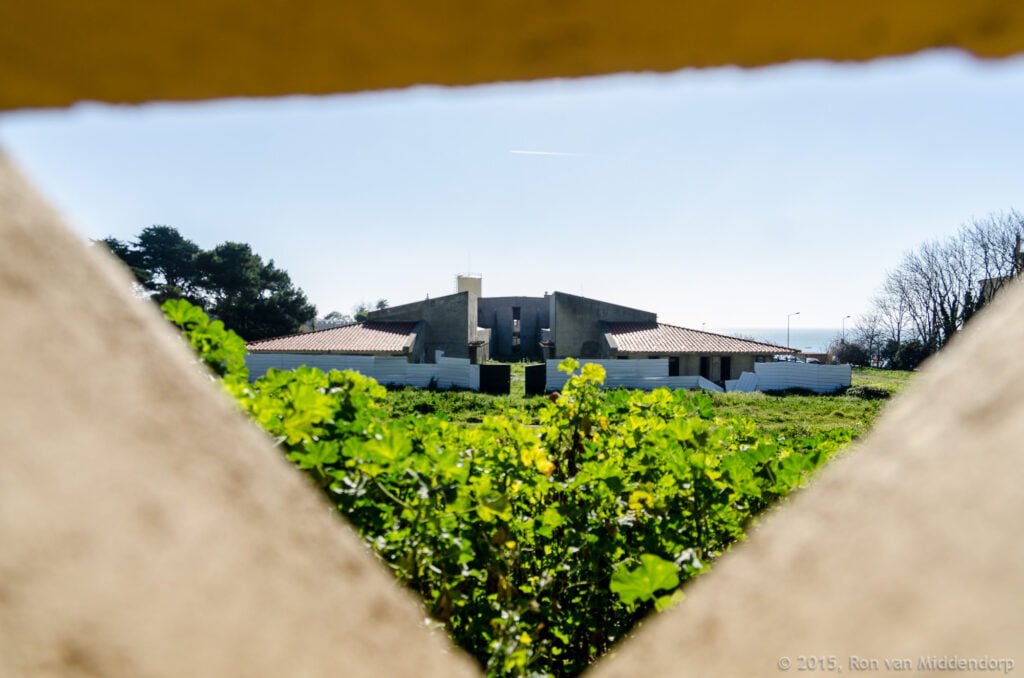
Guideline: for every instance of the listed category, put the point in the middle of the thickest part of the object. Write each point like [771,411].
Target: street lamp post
[844,328]
[787,327]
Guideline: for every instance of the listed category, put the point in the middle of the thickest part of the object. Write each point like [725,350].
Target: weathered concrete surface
[147,529]
[576,324]
[909,547]
[56,52]
[496,313]
[449,323]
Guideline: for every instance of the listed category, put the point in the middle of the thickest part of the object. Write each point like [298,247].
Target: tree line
[230,282]
[934,291]
[360,312]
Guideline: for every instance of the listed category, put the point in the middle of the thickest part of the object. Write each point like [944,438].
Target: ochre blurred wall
[57,52]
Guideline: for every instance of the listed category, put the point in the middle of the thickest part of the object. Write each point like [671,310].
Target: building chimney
[473,284]
[469,283]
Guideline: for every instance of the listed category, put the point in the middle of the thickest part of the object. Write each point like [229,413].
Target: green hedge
[537,547]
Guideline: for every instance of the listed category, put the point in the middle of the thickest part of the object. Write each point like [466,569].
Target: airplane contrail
[555,153]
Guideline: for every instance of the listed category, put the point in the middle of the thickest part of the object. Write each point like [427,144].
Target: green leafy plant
[538,546]
[219,348]
[643,582]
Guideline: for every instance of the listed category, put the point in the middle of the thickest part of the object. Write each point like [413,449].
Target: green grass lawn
[813,413]
[892,381]
[463,406]
[805,413]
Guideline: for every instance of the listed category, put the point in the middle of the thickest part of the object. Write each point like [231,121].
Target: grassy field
[816,412]
[805,413]
[892,381]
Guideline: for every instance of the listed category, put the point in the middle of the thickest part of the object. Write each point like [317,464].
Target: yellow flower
[545,466]
[639,499]
[527,456]
[510,544]
[525,638]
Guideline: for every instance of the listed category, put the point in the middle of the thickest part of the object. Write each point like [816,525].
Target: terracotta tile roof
[661,338]
[366,337]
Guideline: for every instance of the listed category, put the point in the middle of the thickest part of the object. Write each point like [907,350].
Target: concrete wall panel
[496,313]
[576,324]
[446,322]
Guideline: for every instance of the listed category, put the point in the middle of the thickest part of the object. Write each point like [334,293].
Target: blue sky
[721,197]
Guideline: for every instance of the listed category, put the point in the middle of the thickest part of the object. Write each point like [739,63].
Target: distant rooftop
[661,338]
[366,337]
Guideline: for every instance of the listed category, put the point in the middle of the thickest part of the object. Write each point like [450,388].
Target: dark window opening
[516,329]
[673,366]
[726,368]
[705,366]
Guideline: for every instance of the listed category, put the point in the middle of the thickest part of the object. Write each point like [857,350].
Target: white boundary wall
[745,384]
[651,374]
[645,375]
[817,378]
[448,372]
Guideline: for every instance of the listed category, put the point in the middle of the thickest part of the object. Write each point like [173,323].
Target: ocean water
[806,339]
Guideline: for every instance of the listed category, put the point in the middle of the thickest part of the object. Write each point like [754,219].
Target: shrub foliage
[537,547]
[868,392]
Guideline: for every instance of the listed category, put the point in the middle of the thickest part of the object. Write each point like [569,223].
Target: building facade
[558,325]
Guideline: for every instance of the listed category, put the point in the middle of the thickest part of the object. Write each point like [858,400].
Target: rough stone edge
[148,528]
